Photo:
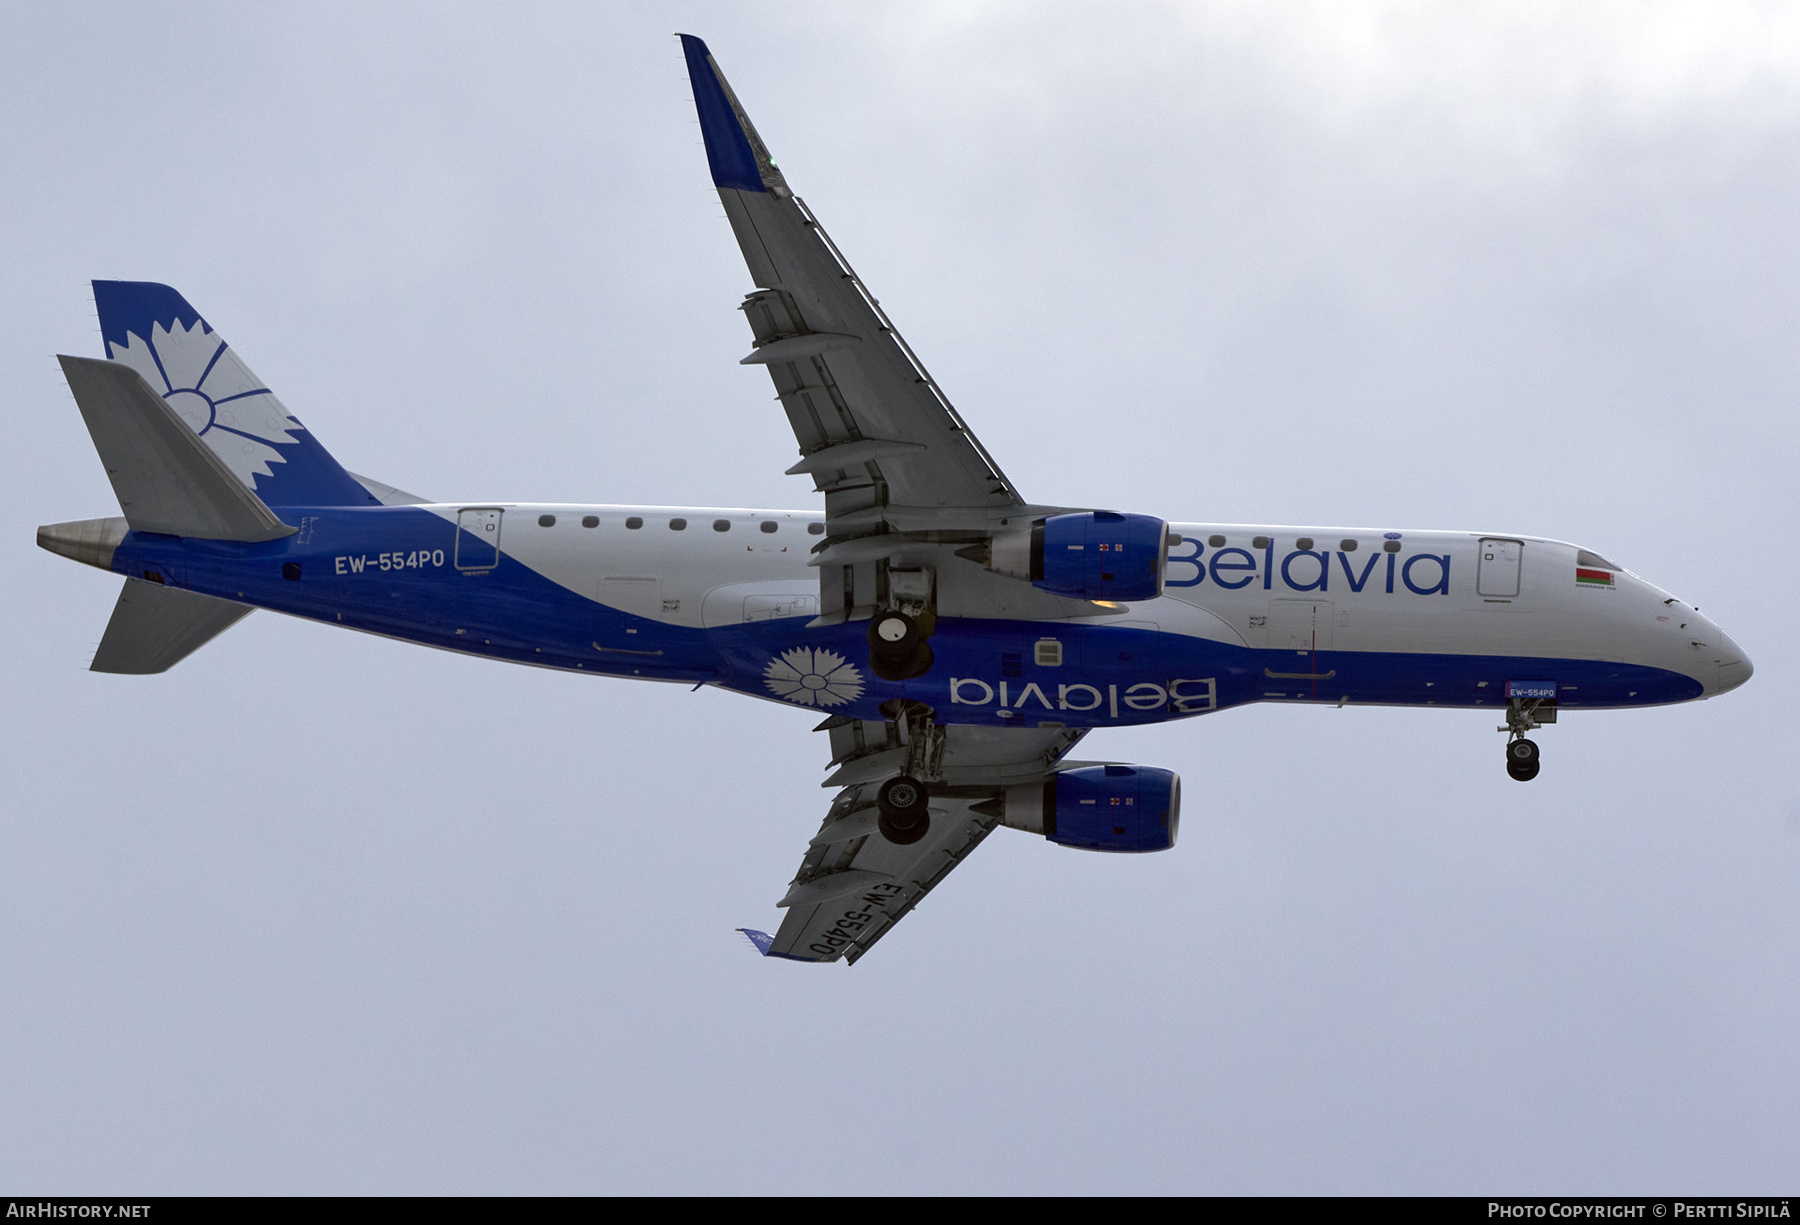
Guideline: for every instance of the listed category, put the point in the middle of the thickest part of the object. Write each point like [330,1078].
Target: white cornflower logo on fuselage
[813,677]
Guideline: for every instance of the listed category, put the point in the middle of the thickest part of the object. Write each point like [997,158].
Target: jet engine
[1101,808]
[1091,555]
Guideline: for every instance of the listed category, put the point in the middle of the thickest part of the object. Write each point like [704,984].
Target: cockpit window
[1585,558]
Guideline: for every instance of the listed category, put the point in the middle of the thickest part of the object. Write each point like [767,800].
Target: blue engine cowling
[1113,808]
[1100,555]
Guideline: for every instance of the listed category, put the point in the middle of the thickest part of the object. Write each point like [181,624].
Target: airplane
[958,639]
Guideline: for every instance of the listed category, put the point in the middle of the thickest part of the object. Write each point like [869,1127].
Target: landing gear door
[1497,571]
[478,538]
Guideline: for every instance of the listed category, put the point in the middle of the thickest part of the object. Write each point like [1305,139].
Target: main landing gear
[904,816]
[1522,715]
[904,800]
[898,650]
[897,647]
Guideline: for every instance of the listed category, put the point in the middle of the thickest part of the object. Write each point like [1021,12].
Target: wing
[853,884]
[873,427]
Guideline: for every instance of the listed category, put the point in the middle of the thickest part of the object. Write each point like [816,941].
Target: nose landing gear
[1522,715]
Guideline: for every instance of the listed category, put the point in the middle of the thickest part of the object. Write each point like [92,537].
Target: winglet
[762,940]
[733,149]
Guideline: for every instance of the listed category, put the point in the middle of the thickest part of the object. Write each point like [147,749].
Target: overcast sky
[320,912]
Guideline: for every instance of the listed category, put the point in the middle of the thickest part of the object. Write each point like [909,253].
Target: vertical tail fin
[152,329]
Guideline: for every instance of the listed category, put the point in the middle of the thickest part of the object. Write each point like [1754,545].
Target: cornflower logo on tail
[215,393]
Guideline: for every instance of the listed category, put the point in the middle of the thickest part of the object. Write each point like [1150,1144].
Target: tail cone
[89,541]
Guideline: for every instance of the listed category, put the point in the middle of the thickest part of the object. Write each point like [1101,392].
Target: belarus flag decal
[1600,578]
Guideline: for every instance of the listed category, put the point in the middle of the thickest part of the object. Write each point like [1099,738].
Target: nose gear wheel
[1522,715]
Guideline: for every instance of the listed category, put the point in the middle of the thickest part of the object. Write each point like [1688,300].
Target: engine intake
[1091,555]
[1129,809]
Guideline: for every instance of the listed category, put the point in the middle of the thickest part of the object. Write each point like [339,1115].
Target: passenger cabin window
[1585,558]
[634,523]
[1216,541]
[769,525]
[590,521]
[1348,546]
[1259,542]
[815,529]
[1048,653]
[721,525]
[1392,546]
[1305,542]
[678,525]
[546,520]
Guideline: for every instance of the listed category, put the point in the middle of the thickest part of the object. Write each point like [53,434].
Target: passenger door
[478,538]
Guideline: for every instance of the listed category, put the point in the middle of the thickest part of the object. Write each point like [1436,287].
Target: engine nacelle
[1101,808]
[1091,555]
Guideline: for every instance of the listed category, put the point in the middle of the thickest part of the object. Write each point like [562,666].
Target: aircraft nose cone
[1734,665]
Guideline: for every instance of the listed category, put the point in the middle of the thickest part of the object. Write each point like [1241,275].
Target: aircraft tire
[902,801]
[897,650]
[902,796]
[921,662]
[921,825]
[1523,772]
[894,632]
[1522,752]
[905,817]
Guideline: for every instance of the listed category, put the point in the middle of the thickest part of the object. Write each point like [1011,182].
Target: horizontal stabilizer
[166,478]
[153,628]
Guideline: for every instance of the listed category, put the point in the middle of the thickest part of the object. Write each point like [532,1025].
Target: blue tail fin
[152,328]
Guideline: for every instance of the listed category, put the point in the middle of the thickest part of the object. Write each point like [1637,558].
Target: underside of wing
[856,885]
[854,882]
